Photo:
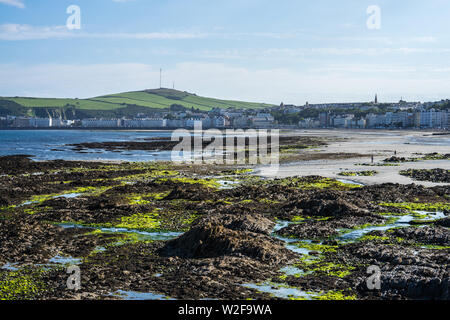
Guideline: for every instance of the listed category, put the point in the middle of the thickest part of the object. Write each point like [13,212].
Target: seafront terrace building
[26,122]
[100,123]
[262,120]
[309,124]
[432,118]
[144,123]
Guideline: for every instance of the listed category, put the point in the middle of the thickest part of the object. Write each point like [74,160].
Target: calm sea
[40,143]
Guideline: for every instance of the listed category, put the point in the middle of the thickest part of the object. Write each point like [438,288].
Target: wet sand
[380,144]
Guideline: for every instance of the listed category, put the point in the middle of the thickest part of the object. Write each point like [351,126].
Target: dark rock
[433,175]
[427,235]
[210,239]
[245,222]
[444,222]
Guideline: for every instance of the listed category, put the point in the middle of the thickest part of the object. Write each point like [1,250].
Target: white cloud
[11,32]
[309,56]
[20,32]
[351,51]
[15,32]
[15,3]
[389,41]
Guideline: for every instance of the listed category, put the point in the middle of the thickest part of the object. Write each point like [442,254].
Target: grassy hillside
[127,103]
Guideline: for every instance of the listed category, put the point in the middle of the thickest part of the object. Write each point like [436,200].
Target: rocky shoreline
[212,232]
[433,175]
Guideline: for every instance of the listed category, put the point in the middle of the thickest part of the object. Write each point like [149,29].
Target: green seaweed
[316,246]
[414,206]
[358,173]
[23,284]
[333,295]
[140,221]
[209,183]
[324,267]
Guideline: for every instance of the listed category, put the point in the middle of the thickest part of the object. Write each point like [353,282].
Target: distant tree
[177,108]
[169,116]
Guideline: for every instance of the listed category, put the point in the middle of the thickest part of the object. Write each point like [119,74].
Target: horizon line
[229,99]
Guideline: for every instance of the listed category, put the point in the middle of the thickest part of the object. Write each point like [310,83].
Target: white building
[219,122]
[40,122]
[100,123]
[58,122]
[342,121]
[268,116]
[375,120]
[234,114]
[358,123]
[432,118]
[144,123]
[402,119]
[262,121]
[308,123]
[175,123]
[206,122]
[241,122]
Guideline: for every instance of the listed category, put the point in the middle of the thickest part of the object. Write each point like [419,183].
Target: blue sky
[255,50]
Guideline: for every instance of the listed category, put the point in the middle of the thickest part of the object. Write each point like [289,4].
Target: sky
[289,51]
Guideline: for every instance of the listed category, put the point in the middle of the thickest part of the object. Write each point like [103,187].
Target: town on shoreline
[371,115]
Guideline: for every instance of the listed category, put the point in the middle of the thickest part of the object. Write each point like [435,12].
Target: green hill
[116,105]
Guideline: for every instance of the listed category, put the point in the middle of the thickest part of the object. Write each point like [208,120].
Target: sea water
[53,144]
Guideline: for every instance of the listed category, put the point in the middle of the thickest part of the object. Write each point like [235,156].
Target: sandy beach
[380,144]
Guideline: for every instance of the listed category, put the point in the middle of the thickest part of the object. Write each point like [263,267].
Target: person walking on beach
[371,158]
